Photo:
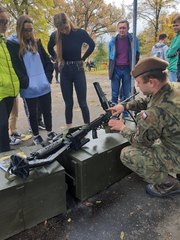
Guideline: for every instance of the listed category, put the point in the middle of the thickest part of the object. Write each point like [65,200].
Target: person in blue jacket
[120,61]
[34,70]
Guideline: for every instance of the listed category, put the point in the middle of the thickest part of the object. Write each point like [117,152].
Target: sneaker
[41,125]
[51,137]
[14,141]
[38,140]
[170,187]
[17,135]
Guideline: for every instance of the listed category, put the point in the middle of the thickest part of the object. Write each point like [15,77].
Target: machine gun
[74,140]
[106,104]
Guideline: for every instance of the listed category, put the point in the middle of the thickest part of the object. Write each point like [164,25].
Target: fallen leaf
[131,213]
[69,220]
[88,204]
[122,235]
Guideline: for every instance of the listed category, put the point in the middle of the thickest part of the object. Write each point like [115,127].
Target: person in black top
[69,41]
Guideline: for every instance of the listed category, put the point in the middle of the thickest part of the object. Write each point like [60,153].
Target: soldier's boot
[169,187]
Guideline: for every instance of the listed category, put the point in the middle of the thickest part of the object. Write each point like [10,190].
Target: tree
[151,10]
[165,26]
[101,53]
[95,16]
[40,11]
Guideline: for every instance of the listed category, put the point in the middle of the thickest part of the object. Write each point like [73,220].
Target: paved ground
[121,212]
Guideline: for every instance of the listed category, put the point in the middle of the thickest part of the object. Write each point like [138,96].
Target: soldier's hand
[117,109]
[117,125]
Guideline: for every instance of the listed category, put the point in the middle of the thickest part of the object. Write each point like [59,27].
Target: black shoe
[38,140]
[170,187]
[51,137]
[41,126]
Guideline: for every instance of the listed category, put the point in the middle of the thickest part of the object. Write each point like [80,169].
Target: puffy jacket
[9,83]
[112,52]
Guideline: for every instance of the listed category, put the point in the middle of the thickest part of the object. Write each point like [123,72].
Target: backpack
[158,51]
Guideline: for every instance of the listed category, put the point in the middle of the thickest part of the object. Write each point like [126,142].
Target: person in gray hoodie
[160,48]
[34,70]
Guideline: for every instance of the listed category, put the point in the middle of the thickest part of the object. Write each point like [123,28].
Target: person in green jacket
[173,50]
[9,84]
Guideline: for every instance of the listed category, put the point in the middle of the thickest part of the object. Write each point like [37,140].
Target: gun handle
[94,134]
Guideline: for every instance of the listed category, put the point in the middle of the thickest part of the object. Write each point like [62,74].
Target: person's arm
[88,40]
[18,64]
[51,45]
[165,48]
[134,105]
[48,65]
[149,127]
[173,48]
[137,105]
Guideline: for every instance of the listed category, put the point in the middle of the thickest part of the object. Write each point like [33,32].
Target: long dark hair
[20,34]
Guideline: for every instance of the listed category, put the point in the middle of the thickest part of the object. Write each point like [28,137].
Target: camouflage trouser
[151,163]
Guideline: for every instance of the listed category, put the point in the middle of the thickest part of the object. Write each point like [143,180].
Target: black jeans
[32,105]
[73,73]
[5,109]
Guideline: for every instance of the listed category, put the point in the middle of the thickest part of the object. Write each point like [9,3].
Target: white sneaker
[17,135]
[14,141]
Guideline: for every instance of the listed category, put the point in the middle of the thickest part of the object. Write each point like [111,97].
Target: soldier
[157,162]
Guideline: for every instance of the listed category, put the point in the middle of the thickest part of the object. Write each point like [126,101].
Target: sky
[127,2]
[140,25]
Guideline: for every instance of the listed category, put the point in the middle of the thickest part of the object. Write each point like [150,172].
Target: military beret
[148,65]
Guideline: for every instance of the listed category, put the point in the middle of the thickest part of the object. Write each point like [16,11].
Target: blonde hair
[20,35]
[61,20]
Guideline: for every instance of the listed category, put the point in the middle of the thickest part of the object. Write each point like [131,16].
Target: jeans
[13,117]
[6,105]
[73,74]
[121,78]
[172,76]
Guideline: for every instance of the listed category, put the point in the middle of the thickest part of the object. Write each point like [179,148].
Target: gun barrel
[102,97]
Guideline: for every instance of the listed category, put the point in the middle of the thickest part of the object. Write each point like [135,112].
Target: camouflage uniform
[155,144]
